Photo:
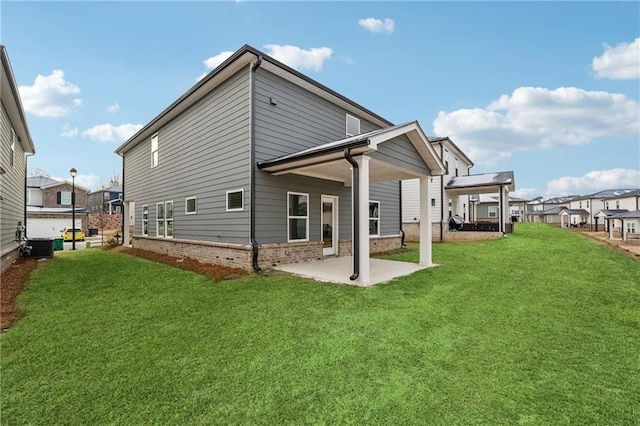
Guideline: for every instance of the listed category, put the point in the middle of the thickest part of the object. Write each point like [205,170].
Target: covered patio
[487,183]
[390,154]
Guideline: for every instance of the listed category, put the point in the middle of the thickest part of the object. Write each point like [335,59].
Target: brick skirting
[240,255]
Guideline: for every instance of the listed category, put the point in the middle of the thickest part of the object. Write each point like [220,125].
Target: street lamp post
[73,172]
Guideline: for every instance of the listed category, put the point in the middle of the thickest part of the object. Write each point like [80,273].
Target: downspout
[355,182]
[402,244]
[254,244]
[122,208]
[26,159]
[442,195]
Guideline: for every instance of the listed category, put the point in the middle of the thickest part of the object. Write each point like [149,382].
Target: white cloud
[113,108]
[50,96]
[109,133]
[89,181]
[69,132]
[298,58]
[595,181]
[216,60]
[535,118]
[525,193]
[386,26]
[621,62]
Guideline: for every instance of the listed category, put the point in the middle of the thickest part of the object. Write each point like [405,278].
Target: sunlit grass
[540,327]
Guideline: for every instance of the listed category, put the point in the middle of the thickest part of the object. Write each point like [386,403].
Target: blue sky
[549,90]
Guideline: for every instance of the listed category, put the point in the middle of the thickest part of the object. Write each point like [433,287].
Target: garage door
[47,228]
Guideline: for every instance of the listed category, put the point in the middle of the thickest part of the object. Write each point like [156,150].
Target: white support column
[609,223]
[364,278]
[425,223]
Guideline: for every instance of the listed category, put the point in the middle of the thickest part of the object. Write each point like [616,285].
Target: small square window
[235,200]
[190,205]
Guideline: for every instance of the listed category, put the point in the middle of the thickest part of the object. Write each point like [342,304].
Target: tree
[36,171]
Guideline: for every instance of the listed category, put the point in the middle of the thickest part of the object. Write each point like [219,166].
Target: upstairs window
[63,198]
[353,126]
[13,147]
[154,150]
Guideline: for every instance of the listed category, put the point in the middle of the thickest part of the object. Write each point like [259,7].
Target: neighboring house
[450,193]
[485,207]
[49,207]
[16,144]
[443,205]
[608,199]
[258,165]
[104,209]
[547,209]
[624,225]
[574,218]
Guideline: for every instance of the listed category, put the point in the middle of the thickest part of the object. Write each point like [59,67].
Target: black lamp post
[73,172]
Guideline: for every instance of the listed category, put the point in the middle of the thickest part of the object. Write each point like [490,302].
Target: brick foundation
[412,233]
[240,255]
[471,236]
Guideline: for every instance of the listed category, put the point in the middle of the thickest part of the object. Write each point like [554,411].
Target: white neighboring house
[450,194]
[608,199]
[624,225]
[547,209]
[443,204]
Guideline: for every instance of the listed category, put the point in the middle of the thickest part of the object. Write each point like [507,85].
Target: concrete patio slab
[339,269]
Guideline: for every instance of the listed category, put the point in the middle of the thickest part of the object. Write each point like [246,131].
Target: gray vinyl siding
[302,120]
[403,154]
[13,185]
[203,153]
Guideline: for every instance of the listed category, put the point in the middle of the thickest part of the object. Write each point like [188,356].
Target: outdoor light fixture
[73,172]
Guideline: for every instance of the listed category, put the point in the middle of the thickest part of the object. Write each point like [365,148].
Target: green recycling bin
[58,244]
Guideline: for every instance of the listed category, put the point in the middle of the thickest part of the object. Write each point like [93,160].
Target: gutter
[255,248]
[356,215]
[442,194]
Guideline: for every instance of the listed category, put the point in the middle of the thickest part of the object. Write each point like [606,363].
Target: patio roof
[327,161]
[635,214]
[484,183]
[581,212]
[609,213]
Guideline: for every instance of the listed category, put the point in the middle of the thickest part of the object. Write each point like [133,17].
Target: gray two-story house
[15,145]
[259,165]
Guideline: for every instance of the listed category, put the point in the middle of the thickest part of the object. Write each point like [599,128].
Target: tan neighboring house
[49,208]
[16,144]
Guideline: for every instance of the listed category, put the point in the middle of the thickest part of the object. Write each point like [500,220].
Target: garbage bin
[41,247]
[58,244]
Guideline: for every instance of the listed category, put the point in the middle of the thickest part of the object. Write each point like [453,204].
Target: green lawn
[541,327]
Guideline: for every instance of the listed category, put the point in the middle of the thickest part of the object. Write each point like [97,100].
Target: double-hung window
[145,220]
[297,216]
[164,219]
[374,218]
[493,211]
[64,198]
[160,219]
[631,227]
[154,150]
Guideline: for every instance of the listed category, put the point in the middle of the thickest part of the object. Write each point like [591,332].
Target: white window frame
[492,211]
[13,146]
[617,204]
[68,198]
[354,120]
[168,219]
[195,205]
[145,221]
[289,217]
[159,219]
[377,219]
[631,227]
[154,151]
[233,191]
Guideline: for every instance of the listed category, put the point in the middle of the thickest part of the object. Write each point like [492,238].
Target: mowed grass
[540,327]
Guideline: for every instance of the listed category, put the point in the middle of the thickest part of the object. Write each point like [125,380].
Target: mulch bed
[12,281]
[15,277]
